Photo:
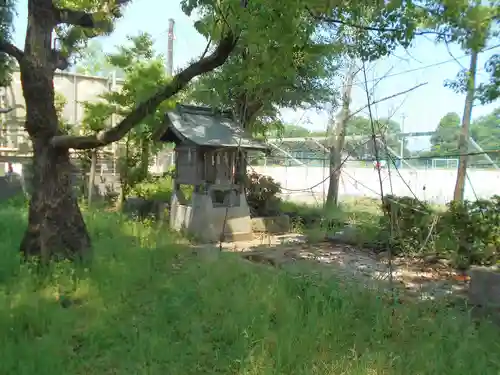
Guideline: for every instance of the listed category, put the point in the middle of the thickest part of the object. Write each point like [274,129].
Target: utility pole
[402,141]
[402,146]
[170,47]
[458,194]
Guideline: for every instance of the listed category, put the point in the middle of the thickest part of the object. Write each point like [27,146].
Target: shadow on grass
[318,223]
[148,306]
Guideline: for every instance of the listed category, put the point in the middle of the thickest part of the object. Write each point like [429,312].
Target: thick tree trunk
[55,223]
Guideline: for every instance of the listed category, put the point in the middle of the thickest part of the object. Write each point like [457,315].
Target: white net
[444,163]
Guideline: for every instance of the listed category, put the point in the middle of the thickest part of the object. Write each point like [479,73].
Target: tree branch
[74,17]
[387,98]
[11,50]
[80,18]
[181,80]
[326,19]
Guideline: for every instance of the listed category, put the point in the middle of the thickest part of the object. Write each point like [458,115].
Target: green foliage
[293,61]
[476,228]
[445,140]
[146,292]
[467,232]
[7,14]
[60,102]
[470,24]
[93,61]
[144,73]
[261,192]
[291,131]
[405,223]
[74,38]
[262,195]
[485,130]
[385,127]
[275,64]
[490,91]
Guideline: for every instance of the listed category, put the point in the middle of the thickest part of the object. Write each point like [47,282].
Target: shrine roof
[205,126]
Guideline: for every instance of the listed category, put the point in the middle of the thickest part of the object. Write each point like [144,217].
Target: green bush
[405,224]
[154,189]
[262,195]
[145,292]
[159,189]
[470,231]
[466,232]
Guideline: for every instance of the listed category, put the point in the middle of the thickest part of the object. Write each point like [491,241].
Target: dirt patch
[418,277]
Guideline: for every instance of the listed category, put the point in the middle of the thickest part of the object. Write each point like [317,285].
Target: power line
[420,157]
[429,66]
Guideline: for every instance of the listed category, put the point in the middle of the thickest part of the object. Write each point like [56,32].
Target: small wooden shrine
[210,156]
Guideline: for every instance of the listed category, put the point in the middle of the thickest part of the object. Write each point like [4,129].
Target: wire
[427,66]
[326,178]
[421,157]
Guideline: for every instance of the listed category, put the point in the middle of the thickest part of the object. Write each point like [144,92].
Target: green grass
[363,213]
[147,306]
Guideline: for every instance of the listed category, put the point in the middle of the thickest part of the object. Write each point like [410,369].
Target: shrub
[467,232]
[405,224]
[470,231]
[262,195]
[159,188]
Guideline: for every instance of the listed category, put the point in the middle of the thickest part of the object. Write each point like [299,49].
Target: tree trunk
[91,182]
[123,172]
[336,141]
[55,223]
[463,143]
[145,156]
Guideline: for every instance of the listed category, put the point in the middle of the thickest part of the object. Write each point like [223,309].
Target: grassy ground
[148,307]
[364,213]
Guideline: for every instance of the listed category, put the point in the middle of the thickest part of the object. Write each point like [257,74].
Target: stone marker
[484,289]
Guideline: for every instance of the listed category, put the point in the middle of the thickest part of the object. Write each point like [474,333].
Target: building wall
[310,184]
[76,88]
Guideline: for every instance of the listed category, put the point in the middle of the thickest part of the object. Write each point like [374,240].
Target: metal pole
[170,47]
[402,146]
[285,153]
[485,155]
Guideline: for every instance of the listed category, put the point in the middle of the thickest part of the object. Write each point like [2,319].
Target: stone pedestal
[206,223]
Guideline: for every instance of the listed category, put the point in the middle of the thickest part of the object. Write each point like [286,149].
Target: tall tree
[144,71]
[55,224]
[93,61]
[295,64]
[486,132]
[470,24]
[281,65]
[295,131]
[386,128]
[336,139]
[445,139]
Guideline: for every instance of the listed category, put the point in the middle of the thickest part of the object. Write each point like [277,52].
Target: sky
[424,62]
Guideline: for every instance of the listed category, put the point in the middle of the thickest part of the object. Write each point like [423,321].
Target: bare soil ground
[425,279]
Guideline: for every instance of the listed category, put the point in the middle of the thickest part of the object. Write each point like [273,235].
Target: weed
[147,306]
